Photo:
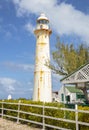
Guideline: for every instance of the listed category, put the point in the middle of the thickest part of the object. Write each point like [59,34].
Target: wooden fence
[43,116]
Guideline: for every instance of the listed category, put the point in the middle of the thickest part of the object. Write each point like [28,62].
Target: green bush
[58,113]
[84,117]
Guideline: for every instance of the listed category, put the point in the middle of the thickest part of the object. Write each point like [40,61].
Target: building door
[68,98]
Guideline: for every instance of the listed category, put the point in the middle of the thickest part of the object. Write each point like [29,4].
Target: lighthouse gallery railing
[43,116]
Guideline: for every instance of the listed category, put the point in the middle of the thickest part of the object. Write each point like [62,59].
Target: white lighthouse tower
[42,74]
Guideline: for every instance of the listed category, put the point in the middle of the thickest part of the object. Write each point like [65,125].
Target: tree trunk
[86,94]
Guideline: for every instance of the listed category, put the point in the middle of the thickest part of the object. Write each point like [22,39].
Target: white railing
[43,116]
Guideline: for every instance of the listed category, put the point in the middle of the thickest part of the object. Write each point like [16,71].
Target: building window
[80,96]
[62,97]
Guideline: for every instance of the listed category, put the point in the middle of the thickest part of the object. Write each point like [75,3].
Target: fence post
[76,116]
[18,111]
[43,116]
[2,108]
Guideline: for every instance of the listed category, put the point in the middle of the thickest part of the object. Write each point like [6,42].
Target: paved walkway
[10,125]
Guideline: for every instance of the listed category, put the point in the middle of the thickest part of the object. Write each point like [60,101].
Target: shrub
[58,113]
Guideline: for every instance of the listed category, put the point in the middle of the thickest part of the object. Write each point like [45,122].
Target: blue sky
[69,19]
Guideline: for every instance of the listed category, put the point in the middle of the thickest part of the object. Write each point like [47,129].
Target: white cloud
[8,84]
[15,66]
[65,19]
[12,27]
[7,81]
[8,34]
[36,6]
[7,30]
[15,88]
[29,27]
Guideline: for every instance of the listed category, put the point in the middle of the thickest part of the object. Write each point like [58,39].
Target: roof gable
[78,76]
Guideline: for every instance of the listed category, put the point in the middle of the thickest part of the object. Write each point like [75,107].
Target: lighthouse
[42,73]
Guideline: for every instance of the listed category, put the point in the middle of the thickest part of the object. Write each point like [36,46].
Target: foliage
[84,117]
[58,113]
[68,58]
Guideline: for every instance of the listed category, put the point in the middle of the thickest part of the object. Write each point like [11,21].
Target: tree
[68,58]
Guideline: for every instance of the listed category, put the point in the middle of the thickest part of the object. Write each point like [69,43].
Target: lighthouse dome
[42,17]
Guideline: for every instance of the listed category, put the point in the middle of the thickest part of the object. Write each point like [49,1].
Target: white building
[79,78]
[71,94]
[9,97]
[42,74]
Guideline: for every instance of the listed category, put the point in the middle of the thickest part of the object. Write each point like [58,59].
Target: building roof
[78,75]
[73,89]
[74,71]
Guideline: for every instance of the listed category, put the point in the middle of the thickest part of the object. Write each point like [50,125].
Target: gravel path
[10,125]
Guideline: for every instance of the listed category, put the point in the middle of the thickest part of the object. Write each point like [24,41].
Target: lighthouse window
[42,22]
[45,21]
[38,22]
[41,26]
[38,36]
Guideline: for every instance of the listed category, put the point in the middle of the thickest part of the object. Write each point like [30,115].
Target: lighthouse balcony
[42,26]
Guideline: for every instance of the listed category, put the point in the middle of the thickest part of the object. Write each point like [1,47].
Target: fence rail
[43,116]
